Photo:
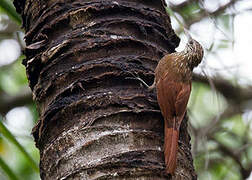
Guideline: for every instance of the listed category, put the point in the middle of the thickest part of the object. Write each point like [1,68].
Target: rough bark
[94,122]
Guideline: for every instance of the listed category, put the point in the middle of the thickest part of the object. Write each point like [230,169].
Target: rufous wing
[172,98]
[182,101]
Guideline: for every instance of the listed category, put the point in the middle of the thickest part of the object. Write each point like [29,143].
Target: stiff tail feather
[171,148]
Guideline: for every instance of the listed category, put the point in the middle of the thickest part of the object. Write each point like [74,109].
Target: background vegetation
[219,109]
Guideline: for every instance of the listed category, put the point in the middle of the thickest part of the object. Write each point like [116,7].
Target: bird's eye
[191,42]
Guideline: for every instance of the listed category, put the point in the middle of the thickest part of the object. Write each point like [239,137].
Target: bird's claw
[137,78]
[133,74]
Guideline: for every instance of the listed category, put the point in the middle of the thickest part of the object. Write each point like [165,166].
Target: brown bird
[173,76]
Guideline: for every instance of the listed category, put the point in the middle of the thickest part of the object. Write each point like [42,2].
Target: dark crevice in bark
[94,122]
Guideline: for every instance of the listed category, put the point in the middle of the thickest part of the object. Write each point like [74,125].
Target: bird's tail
[171,146]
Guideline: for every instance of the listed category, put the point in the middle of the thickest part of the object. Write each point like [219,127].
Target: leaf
[8,8]
[190,11]
[225,20]
[11,138]
[7,170]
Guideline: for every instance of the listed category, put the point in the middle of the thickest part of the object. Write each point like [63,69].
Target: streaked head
[194,51]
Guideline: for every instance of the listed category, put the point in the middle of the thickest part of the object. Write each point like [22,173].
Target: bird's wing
[172,95]
[182,101]
[167,90]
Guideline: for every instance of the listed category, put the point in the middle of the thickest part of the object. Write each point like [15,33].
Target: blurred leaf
[2,146]
[7,170]
[224,169]
[226,26]
[22,165]
[249,152]
[12,139]
[213,165]
[18,71]
[13,77]
[190,11]
[206,102]
[8,7]
[224,44]
[211,47]
[225,20]
[228,139]
[236,125]
[219,170]
[34,112]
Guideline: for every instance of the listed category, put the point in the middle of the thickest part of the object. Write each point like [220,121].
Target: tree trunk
[94,122]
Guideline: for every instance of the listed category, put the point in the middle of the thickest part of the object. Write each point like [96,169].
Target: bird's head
[194,52]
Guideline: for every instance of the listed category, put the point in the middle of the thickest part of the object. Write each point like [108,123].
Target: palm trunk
[94,122]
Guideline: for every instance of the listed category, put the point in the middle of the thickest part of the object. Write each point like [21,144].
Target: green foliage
[190,11]
[211,101]
[24,167]
[233,134]
[13,77]
[7,134]
[7,170]
[34,112]
[7,7]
